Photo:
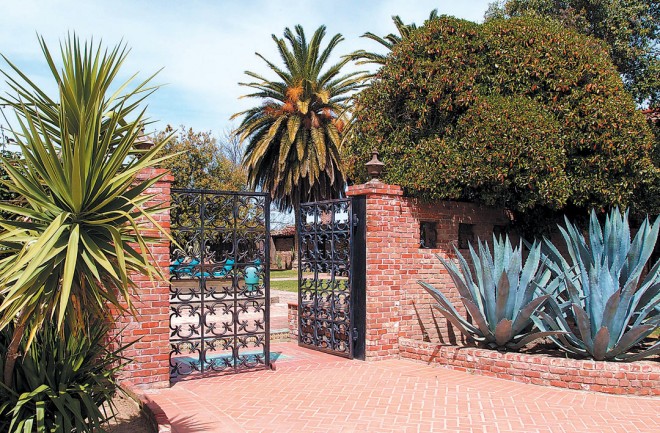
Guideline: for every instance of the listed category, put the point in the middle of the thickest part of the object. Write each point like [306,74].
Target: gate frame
[357,276]
[202,281]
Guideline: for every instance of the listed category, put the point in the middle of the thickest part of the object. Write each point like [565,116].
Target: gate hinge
[355,334]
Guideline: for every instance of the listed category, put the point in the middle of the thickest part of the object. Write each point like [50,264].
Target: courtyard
[310,391]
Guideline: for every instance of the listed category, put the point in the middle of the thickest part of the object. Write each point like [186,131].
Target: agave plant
[613,309]
[501,296]
[71,247]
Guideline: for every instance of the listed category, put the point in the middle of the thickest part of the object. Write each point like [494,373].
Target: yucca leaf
[69,270]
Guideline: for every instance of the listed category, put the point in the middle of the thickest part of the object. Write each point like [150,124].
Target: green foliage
[295,132]
[404,30]
[80,233]
[631,30]
[605,290]
[519,113]
[201,161]
[61,383]
[501,296]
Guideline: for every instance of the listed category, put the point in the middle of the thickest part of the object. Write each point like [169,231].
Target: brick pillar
[150,355]
[384,278]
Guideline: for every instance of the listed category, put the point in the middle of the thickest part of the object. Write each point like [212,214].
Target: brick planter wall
[397,306]
[150,355]
[637,378]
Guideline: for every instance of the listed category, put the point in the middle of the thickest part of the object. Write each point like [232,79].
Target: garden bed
[634,378]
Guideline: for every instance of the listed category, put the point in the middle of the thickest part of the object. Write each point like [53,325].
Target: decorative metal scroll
[324,297]
[219,282]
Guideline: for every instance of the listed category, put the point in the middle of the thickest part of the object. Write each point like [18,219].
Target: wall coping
[374,187]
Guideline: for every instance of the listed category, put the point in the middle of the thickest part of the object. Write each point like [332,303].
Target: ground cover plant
[60,384]
[69,249]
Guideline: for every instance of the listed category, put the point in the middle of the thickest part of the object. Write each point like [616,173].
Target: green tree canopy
[631,30]
[202,161]
[518,113]
[294,133]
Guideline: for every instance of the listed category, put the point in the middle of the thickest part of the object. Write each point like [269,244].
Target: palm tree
[294,135]
[69,249]
[388,41]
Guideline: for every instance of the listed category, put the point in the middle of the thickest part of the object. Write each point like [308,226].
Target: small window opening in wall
[500,231]
[428,236]
[465,235]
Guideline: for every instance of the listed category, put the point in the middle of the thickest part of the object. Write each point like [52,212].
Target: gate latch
[356,220]
[355,334]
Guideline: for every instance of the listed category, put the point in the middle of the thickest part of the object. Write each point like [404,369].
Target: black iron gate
[219,282]
[331,275]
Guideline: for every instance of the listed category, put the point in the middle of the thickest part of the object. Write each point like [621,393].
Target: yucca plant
[501,296]
[61,385]
[73,244]
[612,302]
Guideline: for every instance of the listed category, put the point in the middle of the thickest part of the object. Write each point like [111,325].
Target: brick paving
[314,392]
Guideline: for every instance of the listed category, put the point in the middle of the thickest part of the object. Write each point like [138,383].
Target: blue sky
[203,47]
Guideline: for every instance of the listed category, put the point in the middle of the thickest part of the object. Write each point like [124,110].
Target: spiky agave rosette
[613,309]
[502,295]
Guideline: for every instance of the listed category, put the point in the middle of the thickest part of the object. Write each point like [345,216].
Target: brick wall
[292,317]
[637,378]
[397,306]
[150,355]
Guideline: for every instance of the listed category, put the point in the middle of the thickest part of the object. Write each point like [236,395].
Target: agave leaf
[523,317]
[583,323]
[484,269]
[503,332]
[600,344]
[631,338]
[446,305]
[458,278]
[653,350]
[479,320]
[528,338]
[611,316]
[565,340]
[466,329]
[646,312]
[502,296]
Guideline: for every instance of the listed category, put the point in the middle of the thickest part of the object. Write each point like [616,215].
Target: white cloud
[203,46]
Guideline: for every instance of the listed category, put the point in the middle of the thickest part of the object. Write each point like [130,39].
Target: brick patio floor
[313,392]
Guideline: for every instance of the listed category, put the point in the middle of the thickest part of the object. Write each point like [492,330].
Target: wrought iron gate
[331,275]
[219,282]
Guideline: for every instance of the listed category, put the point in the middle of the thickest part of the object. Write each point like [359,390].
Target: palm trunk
[13,352]
[297,199]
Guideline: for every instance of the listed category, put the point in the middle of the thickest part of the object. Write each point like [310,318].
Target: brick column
[150,355]
[383,282]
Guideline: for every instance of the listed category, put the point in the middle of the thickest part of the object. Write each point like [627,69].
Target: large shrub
[520,113]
